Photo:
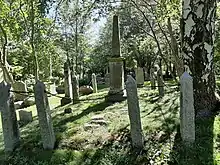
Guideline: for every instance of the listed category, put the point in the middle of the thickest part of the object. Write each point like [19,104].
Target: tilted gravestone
[20,86]
[9,120]
[187,112]
[67,85]
[44,116]
[134,113]
[139,76]
[116,67]
[75,86]
[94,83]
[152,79]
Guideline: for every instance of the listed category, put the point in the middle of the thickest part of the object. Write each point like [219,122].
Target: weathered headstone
[134,113]
[67,85]
[44,116]
[107,79]
[9,120]
[86,90]
[152,79]
[75,91]
[20,87]
[160,82]
[18,104]
[29,101]
[139,76]
[116,67]
[187,112]
[94,83]
[53,88]
[25,116]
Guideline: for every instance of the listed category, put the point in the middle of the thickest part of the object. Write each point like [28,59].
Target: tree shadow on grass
[199,153]
[95,108]
[117,151]
[31,143]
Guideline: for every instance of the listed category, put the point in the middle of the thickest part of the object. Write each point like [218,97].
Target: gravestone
[75,85]
[187,112]
[53,88]
[107,79]
[44,116]
[134,113]
[160,83]
[20,86]
[9,120]
[94,83]
[25,116]
[29,101]
[139,76]
[67,86]
[116,67]
[18,104]
[152,79]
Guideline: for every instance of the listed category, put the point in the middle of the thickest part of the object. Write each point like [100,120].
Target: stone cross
[44,116]
[134,113]
[160,83]
[187,112]
[75,85]
[9,119]
[94,83]
[116,50]
[152,78]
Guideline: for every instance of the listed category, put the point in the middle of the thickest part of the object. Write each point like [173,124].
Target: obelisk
[116,67]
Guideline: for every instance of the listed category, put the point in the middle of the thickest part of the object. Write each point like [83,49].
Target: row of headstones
[71,86]
[187,121]
[153,77]
[10,127]
[9,120]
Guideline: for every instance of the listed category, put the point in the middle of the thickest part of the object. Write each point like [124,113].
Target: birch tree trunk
[198,36]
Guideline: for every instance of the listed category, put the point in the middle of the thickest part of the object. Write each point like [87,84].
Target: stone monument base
[116,97]
[65,100]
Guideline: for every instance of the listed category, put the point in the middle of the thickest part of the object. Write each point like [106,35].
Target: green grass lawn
[111,144]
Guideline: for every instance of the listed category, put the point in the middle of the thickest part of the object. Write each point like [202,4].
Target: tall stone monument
[44,116]
[9,120]
[94,83]
[116,67]
[187,111]
[75,87]
[134,114]
[67,85]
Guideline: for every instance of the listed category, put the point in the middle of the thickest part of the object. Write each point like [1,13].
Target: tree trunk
[36,67]
[175,50]
[3,58]
[197,30]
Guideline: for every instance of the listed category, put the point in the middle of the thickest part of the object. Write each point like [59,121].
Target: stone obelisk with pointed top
[116,67]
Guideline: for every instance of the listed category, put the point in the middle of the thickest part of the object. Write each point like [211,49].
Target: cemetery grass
[110,143]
